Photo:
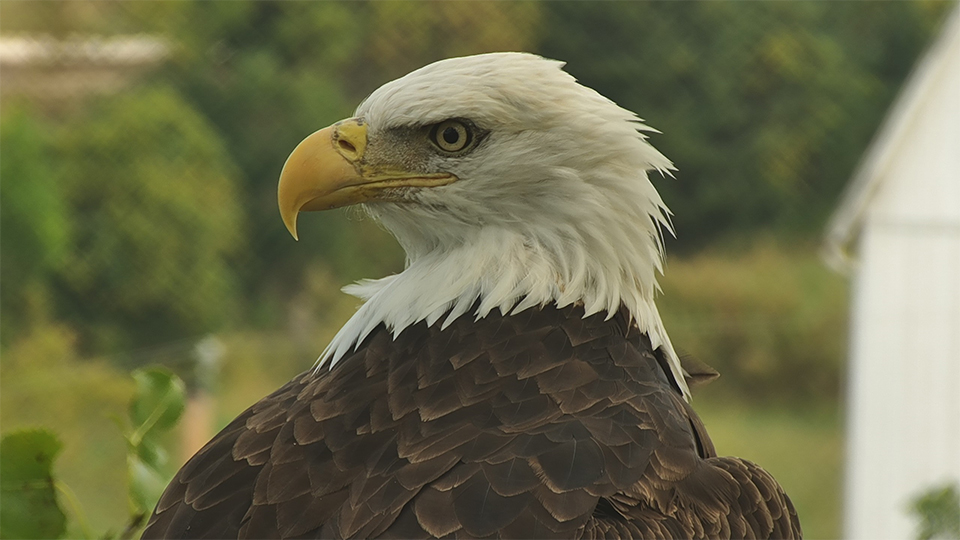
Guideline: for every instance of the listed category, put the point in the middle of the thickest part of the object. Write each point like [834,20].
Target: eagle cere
[515,380]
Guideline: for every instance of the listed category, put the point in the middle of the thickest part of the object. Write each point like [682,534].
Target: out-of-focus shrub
[46,384]
[30,508]
[939,511]
[34,225]
[266,75]
[151,197]
[770,319]
[765,107]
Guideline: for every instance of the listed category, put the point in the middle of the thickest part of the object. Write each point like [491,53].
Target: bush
[771,320]
[156,219]
[34,226]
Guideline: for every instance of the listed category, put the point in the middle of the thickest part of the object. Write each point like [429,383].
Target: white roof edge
[26,50]
[844,223]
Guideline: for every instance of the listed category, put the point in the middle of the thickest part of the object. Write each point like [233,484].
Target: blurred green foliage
[156,407]
[939,512]
[765,107]
[31,489]
[46,383]
[30,508]
[770,318]
[34,226]
[155,217]
[265,77]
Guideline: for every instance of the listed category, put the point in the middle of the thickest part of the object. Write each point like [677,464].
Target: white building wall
[904,393]
[904,402]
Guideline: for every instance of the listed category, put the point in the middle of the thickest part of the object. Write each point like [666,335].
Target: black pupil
[451,135]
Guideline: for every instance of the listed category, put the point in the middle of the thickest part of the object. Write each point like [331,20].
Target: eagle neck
[502,269]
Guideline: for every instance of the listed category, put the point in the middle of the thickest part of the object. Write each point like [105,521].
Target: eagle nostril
[347,148]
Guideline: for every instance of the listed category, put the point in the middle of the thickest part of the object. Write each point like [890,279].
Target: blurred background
[141,142]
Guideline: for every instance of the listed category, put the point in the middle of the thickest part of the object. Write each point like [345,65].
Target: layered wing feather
[537,425]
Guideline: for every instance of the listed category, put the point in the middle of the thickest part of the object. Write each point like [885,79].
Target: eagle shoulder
[542,424]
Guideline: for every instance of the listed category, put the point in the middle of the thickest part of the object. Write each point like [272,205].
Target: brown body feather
[537,425]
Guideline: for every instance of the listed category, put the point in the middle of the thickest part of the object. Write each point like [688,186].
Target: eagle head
[508,184]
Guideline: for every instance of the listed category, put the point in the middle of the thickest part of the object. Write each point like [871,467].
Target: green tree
[34,229]
[266,75]
[765,107]
[403,36]
[156,218]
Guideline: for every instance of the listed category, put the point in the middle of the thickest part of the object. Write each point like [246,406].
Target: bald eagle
[515,380]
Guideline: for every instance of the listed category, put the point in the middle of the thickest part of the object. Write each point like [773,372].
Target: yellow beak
[327,170]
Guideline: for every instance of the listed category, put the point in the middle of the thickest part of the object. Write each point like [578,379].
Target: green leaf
[158,402]
[157,405]
[151,453]
[939,511]
[30,508]
[146,485]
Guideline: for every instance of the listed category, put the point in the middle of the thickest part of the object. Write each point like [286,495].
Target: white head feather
[554,207]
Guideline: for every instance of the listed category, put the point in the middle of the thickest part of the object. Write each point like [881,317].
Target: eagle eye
[451,135]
